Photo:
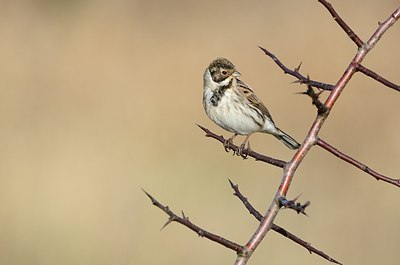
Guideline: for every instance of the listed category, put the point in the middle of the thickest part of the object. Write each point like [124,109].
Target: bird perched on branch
[232,104]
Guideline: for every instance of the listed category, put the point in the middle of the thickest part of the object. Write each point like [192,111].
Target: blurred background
[99,99]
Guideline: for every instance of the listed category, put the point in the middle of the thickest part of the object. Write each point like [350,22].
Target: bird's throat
[219,93]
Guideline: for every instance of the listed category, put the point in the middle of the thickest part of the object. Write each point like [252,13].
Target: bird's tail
[287,140]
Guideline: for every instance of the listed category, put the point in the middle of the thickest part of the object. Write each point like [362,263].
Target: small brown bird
[232,104]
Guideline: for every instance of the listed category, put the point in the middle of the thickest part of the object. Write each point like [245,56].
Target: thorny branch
[353,36]
[301,78]
[255,155]
[292,204]
[377,77]
[266,221]
[201,232]
[319,142]
[184,220]
[277,228]
[356,163]
[321,110]
[312,136]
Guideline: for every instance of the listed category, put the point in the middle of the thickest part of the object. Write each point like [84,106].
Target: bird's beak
[236,74]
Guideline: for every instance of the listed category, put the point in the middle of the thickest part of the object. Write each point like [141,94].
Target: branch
[356,163]
[321,108]
[312,136]
[301,78]
[304,80]
[277,228]
[359,43]
[201,232]
[342,24]
[256,156]
[292,204]
[377,77]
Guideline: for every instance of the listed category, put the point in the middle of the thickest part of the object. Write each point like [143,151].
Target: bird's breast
[231,112]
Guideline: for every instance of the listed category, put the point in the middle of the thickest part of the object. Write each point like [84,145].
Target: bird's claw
[240,152]
[243,151]
[227,145]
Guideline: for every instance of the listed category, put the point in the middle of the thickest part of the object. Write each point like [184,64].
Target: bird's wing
[252,98]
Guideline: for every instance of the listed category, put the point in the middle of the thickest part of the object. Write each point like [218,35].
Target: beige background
[100,99]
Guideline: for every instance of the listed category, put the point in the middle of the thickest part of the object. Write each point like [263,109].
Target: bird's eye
[224,72]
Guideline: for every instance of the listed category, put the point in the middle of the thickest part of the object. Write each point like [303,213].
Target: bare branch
[359,43]
[321,108]
[199,231]
[377,77]
[292,204]
[353,36]
[255,155]
[277,228]
[312,136]
[301,78]
[289,168]
[356,163]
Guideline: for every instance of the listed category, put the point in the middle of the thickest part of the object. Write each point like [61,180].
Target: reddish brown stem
[277,228]
[312,136]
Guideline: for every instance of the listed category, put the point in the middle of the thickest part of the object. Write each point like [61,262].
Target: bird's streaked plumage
[233,105]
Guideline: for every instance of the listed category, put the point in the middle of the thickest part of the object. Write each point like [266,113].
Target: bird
[231,104]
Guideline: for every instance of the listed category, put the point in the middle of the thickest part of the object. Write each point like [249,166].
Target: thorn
[203,128]
[298,82]
[304,207]
[295,198]
[298,67]
[151,197]
[167,223]
[232,184]
[267,52]
[234,187]
[290,204]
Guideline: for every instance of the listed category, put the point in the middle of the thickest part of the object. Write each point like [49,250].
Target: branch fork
[289,168]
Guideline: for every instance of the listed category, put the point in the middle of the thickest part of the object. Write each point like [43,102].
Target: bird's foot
[243,151]
[228,143]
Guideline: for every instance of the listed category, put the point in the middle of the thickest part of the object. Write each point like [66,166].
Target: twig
[184,220]
[301,78]
[356,163]
[255,155]
[266,222]
[353,36]
[292,204]
[377,77]
[359,43]
[312,136]
[277,228]
[321,108]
